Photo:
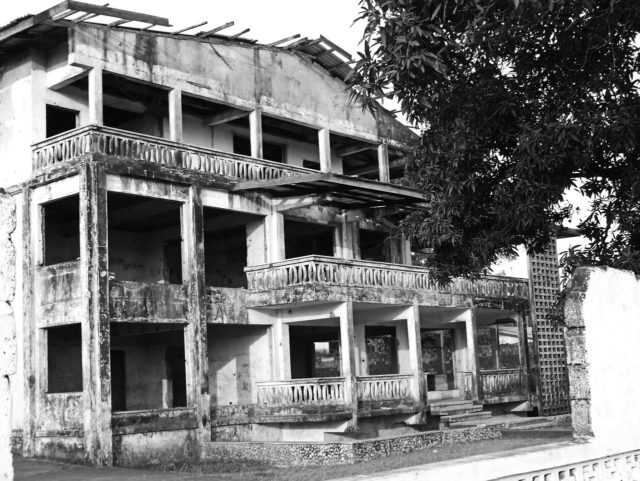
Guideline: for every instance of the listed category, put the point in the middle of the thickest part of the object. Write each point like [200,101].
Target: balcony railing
[328,390]
[356,273]
[385,387]
[93,139]
[503,383]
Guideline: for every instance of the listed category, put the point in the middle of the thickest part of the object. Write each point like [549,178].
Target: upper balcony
[238,173]
[314,278]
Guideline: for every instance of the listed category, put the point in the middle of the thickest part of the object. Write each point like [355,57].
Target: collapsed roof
[46,29]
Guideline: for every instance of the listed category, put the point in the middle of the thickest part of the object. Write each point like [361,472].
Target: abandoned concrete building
[210,253]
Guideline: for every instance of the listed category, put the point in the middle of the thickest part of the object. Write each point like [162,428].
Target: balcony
[330,279]
[75,144]
[242,173]
[504,385]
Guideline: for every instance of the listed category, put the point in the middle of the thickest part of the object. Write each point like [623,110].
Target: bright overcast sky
[269,20]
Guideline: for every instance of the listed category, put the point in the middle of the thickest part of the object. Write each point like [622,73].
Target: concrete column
[255,132]
[38,94]
[282,352]
[383,163]
[31,224]
[348,357]
[95,96]
[274,223]
[193,276]
[7,329]
[96,341]
[415,353]
[324,144]
[361,350]
[405,251]
[472,353]
[347,238]
[175,115]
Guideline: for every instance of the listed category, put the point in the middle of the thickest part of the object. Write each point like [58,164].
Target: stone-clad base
[310,454]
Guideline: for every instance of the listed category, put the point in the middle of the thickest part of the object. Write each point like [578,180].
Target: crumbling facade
[210,251]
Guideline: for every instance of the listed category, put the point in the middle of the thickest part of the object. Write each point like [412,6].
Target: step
[457,419]
[457,409]
[450,405]
[532,425]
[443,395]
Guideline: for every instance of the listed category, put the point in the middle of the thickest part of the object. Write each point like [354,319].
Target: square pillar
[96,336]
[281,351]
[324,145]
[193,276]
[95,96]
[383,163]
[255,133]
[415,354]
[348,359]
[274,223]
[472,352]
[175,115]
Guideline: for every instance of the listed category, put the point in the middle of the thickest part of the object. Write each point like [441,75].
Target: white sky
[269,20]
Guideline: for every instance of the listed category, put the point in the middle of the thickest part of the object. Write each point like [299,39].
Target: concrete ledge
[329,453]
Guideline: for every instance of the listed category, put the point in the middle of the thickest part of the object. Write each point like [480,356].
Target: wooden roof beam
[182,30]
[215,30]
[233,37]
[283,40]
[118,13]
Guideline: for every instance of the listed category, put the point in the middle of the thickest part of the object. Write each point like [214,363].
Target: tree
[519,100]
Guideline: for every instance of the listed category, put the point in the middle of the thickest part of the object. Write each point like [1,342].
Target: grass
[241,471]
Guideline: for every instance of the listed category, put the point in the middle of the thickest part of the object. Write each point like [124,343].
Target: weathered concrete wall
[603,335]
[57,294]
[22,117]
[236,74]
[239,356]
[7,329]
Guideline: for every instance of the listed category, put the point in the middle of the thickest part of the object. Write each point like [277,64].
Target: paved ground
[39,470]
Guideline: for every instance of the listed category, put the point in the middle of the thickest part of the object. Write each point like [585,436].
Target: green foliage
[519,100]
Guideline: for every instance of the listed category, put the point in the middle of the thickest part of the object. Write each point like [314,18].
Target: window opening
[382,349]
[305,238]
[64,358]
[60,120]
[61,236]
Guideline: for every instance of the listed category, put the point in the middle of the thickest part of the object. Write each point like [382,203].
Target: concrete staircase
[454,413]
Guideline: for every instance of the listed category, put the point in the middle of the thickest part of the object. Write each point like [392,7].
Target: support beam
[348,358]
[197,361]
[96,338]
[175,115]
[226,116]
[324,144]
[255,132]
[383,163]
[472,352]
[95,97]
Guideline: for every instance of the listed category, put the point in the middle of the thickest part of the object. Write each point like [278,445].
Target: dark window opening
[270,150]
[499,346]
[311,164]
[61,236]
[118,381]
[382,349]
[60,120]
[305,238]
[226,238]
[145,240]
[134,106]
[64,359]
[148,367]
[374,246]
[314,351]
[437,358]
